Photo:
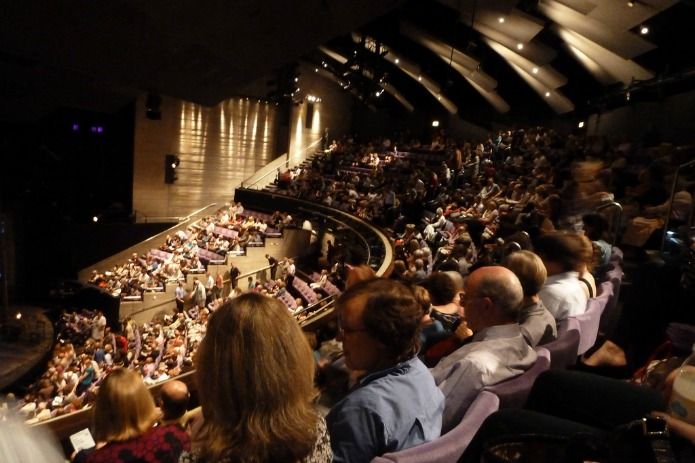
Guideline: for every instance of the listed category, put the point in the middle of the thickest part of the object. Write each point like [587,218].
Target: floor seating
[449,447]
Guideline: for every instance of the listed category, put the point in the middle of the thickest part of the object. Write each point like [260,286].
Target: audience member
[395,404]
[255,373]
[537,323]
[124,415]
[498,350]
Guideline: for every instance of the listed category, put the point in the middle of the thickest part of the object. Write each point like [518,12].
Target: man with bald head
[498,351]
[173,398]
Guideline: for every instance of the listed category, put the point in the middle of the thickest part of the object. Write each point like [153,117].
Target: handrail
[364,240]
[125,254]
[273,165]
[383,238]
[616,225]
[670,203]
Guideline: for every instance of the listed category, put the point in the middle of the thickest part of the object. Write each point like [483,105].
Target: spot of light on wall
[644,30]
[581,124]
[435,123]
[316,121]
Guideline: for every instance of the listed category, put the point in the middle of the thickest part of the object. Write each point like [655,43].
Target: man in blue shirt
[396,404]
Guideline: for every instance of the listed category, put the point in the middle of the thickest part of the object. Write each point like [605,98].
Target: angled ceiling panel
[554,98]
[516,24]
[547,75]
[622,69]
[618,15]
[619,41]
[532,51]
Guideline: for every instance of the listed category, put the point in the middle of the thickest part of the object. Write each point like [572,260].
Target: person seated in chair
[498,351]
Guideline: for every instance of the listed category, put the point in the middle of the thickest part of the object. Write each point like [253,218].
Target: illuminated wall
[333,112]
[218,147]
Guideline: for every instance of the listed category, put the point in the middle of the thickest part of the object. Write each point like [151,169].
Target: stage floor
[24,343]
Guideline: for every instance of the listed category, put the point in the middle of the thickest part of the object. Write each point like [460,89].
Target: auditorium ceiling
[461,56]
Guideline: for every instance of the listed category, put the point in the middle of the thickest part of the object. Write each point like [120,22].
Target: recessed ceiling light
[547,94]
[500,19]
[419,78]
[534,70]
[519,46]
[397,61]
[644,30]
[630,4]
[581,124]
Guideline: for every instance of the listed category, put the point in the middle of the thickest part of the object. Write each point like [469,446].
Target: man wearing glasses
[395,404]
[498,351]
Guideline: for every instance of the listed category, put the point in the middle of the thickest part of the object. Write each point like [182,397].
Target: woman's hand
[680,427]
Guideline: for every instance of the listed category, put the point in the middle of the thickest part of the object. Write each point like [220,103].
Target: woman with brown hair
[124,415]
[255,373]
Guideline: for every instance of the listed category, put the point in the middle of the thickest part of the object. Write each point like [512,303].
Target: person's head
[379,322]
[560,252]
[595,226]
[174,397]
[444,287]
[255,376]
[124,407]
[529,269]
[492,297]
[422,296]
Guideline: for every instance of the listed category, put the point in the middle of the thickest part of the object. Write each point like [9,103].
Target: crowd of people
[496,244]
[229,231]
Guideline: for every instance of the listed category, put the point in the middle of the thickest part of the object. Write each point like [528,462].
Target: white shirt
[563,295]
[496,353]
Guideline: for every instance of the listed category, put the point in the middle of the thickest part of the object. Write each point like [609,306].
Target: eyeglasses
[343,329]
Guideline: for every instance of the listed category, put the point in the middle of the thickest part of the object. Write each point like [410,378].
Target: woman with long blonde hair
[255,373]
[124,416]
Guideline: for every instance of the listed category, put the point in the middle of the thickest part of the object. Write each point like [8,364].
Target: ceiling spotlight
[397,61]
[18,316]
[316,69]
[439,97]
[435,123]
[547,94]
[631,4]
[519,46]
[644,30]
[500,19]
[419,78]
[581,124]
[95,219]
[296,79]
[324,64]
[534,70]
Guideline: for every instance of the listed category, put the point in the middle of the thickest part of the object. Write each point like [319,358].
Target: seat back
[449,447]
[513,392]
[563,350]
[590,320]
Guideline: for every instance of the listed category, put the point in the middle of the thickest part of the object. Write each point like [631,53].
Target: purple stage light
[75,127]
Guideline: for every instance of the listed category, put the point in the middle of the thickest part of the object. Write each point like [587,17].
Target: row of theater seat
[576,335]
